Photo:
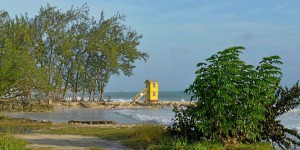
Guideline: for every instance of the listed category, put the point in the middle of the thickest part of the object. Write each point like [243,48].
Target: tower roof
[151,81]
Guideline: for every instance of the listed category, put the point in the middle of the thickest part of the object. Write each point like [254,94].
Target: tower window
[153,94]
[154,85]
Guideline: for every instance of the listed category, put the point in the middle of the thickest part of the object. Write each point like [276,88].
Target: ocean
[127,96]
[133,115]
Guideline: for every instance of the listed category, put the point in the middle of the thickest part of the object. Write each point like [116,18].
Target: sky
[178,34]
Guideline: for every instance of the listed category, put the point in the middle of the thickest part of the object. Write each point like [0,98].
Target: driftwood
[91,122]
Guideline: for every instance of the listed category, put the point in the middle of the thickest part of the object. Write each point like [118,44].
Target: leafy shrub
[235,101]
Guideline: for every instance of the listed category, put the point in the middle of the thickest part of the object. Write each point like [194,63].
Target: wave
[87,98]
[291,119]
[121,100]
[121,97]
[160,116]
[164,116]
[130,100]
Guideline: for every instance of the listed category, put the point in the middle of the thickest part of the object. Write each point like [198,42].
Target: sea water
[127,96]
[291,119]
[123,116]
[134,115]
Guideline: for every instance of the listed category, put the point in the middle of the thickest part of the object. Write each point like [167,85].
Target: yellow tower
[152,91]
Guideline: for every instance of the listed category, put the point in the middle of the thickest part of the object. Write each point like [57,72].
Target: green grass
[151,137]
[8,142]
[182,144]
[9,126]
[136,137]
[257,146]
[21,125]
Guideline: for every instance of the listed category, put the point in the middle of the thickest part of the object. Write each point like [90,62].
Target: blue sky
[177,34]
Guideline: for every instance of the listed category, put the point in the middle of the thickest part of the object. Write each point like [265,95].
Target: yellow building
[152,91]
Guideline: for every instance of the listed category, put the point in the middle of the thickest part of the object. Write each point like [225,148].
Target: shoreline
[118,112]
[112,105]
[16,105]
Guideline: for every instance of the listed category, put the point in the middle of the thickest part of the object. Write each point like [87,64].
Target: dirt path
[68,142]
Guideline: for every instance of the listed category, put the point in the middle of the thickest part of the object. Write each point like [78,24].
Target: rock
[27,106]
[73,104]
[49,107]
[45,121]
[84,104]
[20,109]
[16,106]
[91,122]
[34,110]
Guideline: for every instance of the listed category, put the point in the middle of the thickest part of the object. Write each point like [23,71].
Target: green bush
[235,102]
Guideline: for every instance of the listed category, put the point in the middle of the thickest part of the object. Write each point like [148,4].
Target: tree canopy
[56,51]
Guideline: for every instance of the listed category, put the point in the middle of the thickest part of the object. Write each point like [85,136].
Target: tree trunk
[59,92]
[76,95]
[91,96]
[83,94]
[102,85]
[84,85]
[30,94]
[58,95]
[76,85]
[49,97]
[66,87]
[101,95]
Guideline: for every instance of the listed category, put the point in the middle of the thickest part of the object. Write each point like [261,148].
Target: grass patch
[8,142]
[183,144]
[137,137]
[256,146]
[22,125]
